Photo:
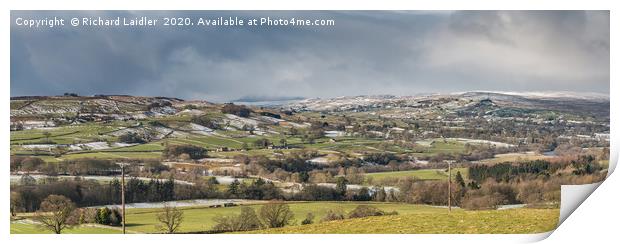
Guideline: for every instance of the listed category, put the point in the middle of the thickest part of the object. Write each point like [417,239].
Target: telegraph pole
[449,188]
[122,165]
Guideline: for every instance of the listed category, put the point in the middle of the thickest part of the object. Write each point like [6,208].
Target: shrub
[156,123]
[194,152]
[333,215]
[116,218]
[190,106]
[130,137]
[88,215]
[158,104]
[362,211]
[239,110]
[246,220]
[308,220]
[276,214]
[103,216]
[481,202]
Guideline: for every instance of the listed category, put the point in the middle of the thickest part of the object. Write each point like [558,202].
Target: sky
[364,53]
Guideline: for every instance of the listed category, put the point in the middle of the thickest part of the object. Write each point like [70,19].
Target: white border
[579,225]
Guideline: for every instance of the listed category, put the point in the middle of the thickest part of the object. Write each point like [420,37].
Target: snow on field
[200,127]
[334,133]
[239,122]
[99,145]
[16,178]
[121,144]
[270,119]
[191,112]
[273,132]
[216,160]
[177,133]
[162,131]
[36,124]
[139,116]
[226,180]
[91,145]
[185,203]
[319,160]
[357,187]
[40,146]
[477,141]
[202,130]
[167,110]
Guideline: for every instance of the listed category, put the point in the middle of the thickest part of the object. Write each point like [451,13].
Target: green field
[411,219]
[201,218]
[24,228]
[515,157]
[422,174]
[237,139]
[513,221]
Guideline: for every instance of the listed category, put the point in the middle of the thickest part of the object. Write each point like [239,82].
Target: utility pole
[122,165]
[123,194]
[449,188]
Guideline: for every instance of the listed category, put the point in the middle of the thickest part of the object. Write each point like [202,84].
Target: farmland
[315,155]
[30,228]
[410,219]
[515,221]
[423,174]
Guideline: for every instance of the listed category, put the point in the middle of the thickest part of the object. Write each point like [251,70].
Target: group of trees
[131,137]
[158,104]
[489,186]
[86,166]
[270,215]
[258,189]
[84,193]
[279,214]
[206,121]
[239,110]
[582,165]
[186,151]
[57,213]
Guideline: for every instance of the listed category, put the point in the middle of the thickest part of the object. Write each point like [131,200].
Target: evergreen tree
[233,188]
[379,194]
[341,186]
[459,179]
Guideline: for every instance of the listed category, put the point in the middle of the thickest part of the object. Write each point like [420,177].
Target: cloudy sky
[399,53]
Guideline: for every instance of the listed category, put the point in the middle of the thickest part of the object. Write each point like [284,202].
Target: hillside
[513,221]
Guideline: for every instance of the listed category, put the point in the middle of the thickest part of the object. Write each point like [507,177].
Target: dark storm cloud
[399,53]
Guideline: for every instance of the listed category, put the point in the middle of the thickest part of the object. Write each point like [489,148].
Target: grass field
[94,131]
[515,157]
[513,221]
[201,218]
[26,228]
[422,174]
[411,219]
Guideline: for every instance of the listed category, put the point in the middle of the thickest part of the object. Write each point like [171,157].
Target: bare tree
[276,214]
[170,219]
[246,220]
[54,213]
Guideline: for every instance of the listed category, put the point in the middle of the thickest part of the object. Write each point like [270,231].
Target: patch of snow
[478,141]
[185,203]
[334,133]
